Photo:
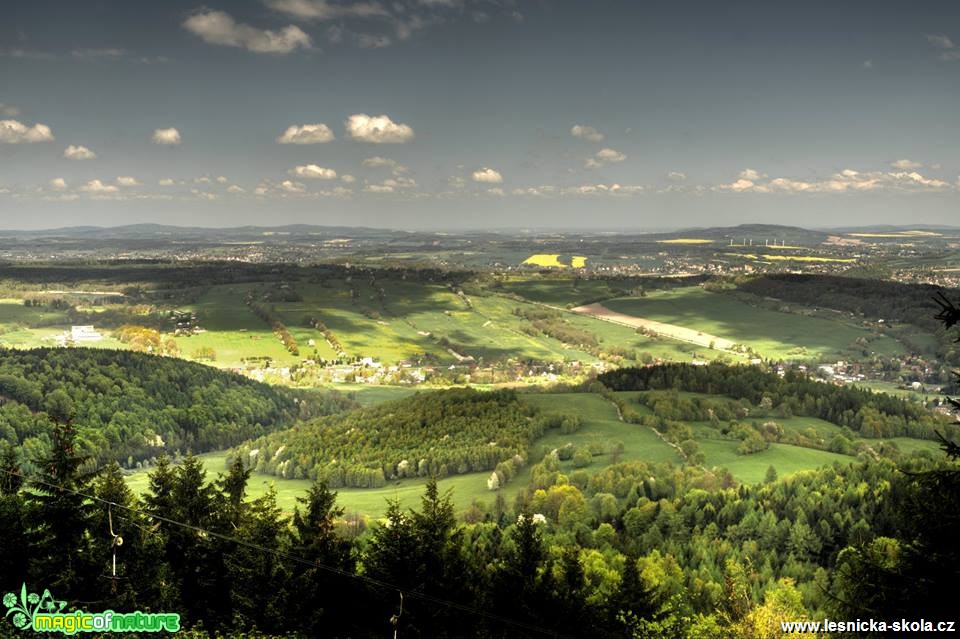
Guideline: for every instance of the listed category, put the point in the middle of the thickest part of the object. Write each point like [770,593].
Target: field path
[656,432]
[601,312]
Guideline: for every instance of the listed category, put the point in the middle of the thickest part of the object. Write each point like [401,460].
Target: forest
[432,434]
[875,298]
[129,407]
[863,411]
[633,549]
[638,550]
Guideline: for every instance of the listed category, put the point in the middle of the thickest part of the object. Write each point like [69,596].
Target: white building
[84,334]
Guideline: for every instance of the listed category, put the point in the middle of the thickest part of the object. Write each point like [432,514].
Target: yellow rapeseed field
[544,259]
[549,259]
[793,258]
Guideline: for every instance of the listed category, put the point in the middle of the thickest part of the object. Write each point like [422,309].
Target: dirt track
[658,328]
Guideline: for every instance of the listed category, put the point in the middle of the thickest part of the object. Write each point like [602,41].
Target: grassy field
[662,348]
[601,428]
[809,427]
[770,333]
[908,445]
[391,320]
[235,333]
[893,389]
[751,469]
[366,501]
[370,394]
[560,292]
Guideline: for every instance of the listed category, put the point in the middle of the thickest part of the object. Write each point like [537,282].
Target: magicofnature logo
[43,613]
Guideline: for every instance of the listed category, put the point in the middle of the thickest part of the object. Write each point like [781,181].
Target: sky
[472,114]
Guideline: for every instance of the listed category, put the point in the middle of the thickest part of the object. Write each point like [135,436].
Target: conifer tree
[119,528]
[324,599]
[60,516]
[14,548]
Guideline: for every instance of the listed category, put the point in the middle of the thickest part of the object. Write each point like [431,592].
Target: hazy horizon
[457,114]
[500,230]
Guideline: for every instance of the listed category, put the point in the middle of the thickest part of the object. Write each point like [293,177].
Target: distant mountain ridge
[155,231]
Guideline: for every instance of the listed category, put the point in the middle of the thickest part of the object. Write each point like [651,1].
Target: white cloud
[58,183]
[487,175]
[348,179]
[906,164]
[585,132]
[306,134]
[204,195]
[166,182]
[323,10]
[604,156]
[751,175]
[166,137]
[78,152]
[456,182]
[496,191]
[377,162]
[940,41]
[222,179]
[676,176]
[126,180]
[583,190]
[96,186]
[292,187]
[14,132]
[233,188]
[948,50]
[314,172]
[739,186]
[535,191]
[603,189]
[378,129]
[846,181]
[400,183]
[8,110]
[378,188]
[217,27]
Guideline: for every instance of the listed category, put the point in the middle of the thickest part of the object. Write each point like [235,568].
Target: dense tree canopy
[869,413]
[131,405]
[430,434]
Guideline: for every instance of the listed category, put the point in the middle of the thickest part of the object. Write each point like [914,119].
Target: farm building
[84,334]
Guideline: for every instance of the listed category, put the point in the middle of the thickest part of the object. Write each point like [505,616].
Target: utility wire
[296,559]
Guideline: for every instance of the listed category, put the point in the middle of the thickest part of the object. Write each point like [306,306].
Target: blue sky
[479,113]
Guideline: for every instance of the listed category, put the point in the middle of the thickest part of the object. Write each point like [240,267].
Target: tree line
[434,434]
[131,406]
[637,550]
[868,413]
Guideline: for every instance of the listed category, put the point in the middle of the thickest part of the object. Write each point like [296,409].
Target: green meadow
[750,469]
[772,334]
[601,429]
[601,432]
[365,501]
